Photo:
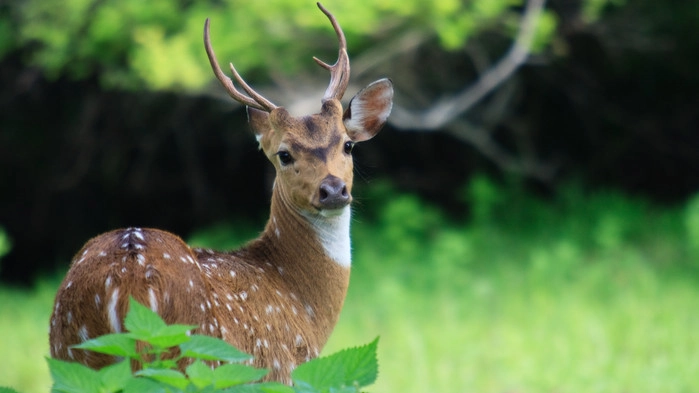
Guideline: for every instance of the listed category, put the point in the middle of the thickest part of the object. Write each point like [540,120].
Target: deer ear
[368,110]
[259,123]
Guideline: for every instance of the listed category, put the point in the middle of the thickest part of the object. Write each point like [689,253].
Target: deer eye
[349,145]
[284,157]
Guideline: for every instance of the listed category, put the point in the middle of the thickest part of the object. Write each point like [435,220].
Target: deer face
[313,154]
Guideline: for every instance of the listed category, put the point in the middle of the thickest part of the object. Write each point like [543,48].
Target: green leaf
[118,344]
[210,348]
[274,387]
[351,367]
[145,385]
[142,322]
[229,375]
[171,335]
[115,376]
[170,377]
[264,387]
[200,374]
[4,389]
[146,325]
[73,377]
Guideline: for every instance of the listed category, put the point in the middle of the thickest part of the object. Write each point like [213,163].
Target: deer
[279,296]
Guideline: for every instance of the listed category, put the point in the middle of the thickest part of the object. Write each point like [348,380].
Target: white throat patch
[334,234]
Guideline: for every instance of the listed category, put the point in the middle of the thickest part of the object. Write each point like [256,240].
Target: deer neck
[325,239]
[312,254]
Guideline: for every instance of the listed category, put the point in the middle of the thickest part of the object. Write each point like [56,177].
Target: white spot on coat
[112,315]
[153,300]
[82,333]
[276,364]
[138,234]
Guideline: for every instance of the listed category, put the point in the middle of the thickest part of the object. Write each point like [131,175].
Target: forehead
[316,135]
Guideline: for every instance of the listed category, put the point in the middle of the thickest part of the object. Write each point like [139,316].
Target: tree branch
[449,108]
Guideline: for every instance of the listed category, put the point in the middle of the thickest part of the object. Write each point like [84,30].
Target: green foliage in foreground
[346,371]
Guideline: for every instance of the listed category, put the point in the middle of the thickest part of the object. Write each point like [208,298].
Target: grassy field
[581,293]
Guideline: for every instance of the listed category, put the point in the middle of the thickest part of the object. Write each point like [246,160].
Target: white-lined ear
[368,110]
[259,123]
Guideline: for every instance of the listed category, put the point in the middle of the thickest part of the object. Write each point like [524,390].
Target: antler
[253,99]
[340,71]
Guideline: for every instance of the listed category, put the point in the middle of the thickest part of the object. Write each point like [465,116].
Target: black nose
[333,193]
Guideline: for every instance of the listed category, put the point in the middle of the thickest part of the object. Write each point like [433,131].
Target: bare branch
[385,51]
[449,108]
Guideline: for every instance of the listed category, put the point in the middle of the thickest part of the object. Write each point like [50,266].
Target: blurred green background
[541,237]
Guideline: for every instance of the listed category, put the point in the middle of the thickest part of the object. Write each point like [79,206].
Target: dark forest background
[607,97]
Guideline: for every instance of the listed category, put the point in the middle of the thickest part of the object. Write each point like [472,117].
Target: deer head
[312,154]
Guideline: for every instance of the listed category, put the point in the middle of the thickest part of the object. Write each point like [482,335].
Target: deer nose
[333,193]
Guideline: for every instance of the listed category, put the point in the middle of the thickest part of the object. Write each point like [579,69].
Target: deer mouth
[328,212]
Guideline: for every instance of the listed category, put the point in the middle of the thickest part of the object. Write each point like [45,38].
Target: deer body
[277,298]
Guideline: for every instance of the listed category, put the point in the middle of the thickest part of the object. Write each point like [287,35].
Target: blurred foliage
[5,242]
[692,227]
[132,43]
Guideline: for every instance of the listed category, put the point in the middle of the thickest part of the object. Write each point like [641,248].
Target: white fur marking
[138,234]
[153,300]
[82,333]
[334,234]
[112,311]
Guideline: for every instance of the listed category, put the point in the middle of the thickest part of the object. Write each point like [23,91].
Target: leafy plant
[345,371]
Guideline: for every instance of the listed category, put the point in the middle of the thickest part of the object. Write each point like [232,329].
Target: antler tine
[340,71]
[255,100]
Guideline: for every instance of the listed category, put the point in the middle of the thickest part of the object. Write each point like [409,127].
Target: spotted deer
[278,297]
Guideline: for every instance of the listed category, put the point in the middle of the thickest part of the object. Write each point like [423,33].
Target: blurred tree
[158,43]
[131,44]
[108,108]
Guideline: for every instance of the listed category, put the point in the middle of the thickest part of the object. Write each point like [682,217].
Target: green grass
[586,292]
[24,341]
